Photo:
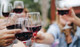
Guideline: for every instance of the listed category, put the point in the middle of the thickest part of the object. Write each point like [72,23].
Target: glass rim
[33,13]
[18,2]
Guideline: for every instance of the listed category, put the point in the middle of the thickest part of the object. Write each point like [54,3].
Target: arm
[49,37]
[72,17]
[76,21]
[44,38]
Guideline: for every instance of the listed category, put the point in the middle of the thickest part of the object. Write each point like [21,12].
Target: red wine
[5,14]
[16,26]
[24,36]
[62,12]
[18,10]
[34,29]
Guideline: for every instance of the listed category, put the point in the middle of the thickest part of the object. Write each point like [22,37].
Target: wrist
[73,19]
[49,38]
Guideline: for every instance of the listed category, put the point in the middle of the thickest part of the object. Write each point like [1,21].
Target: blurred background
[46,8]
[42,6]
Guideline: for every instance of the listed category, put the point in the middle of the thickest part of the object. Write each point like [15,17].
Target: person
[57,34]
[7,36]
[72,17]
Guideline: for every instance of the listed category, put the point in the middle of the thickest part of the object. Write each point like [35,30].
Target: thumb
[13,31]
[40,35]
[72,12]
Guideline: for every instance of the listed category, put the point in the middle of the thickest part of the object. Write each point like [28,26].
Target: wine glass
[6,9]
[24,34]
[18,7]
[62,9]
[11,25]
[17,23]
[33,23]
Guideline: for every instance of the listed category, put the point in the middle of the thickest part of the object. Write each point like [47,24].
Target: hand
[11,21]
[71,16]
[45,38]
[2,24]
[7,36]
[19,44]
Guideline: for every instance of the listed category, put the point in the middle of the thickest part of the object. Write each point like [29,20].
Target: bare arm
[72,17]
[76,21]
[44,38]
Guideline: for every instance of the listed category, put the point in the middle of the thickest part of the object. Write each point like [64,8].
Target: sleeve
[78,31]
[54,30]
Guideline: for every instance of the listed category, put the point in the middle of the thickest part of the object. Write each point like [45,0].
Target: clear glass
[18,7]
[9,25]
[6,10]
[16,23]
[18,3]
[24,34]
[33,23]
[62,9]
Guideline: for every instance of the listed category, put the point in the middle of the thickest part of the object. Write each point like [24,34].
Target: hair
[25,10]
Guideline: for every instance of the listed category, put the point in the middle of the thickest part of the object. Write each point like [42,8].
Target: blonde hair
[58,22]
[25,10]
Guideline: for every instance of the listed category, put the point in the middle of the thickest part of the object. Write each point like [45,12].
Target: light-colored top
[60,37]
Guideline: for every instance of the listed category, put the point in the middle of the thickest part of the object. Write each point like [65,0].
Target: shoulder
[54,29]
[54,26]
[78,31]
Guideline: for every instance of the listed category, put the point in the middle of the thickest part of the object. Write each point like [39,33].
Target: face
[63,21]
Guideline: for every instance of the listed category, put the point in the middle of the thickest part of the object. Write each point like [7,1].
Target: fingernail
[35,34]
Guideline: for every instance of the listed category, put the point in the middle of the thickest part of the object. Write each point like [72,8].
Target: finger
[38,41]
[6,36]
[70,11]
[9,40]
[2,27]
[40,35]
[13,31]
[73,13]
[37,36]
[8,43]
